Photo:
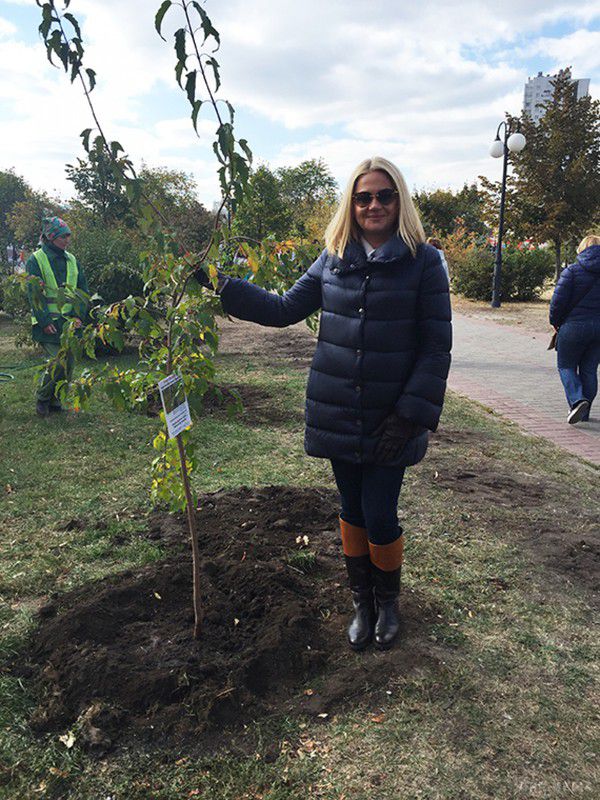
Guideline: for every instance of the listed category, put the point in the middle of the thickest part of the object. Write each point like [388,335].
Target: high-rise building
[539,90]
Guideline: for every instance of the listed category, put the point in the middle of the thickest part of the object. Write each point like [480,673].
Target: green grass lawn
[510,709]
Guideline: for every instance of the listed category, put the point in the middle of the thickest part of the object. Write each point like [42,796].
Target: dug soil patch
[117,658]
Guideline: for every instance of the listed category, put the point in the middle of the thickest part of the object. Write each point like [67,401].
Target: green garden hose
[5,377]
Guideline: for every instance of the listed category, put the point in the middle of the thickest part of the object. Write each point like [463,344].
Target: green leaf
[160,16]
[53,46]
[180,45]
[85,138]
[195,112]
[243,143]
[225,139]
[231,110]
[74,23]
[45,27]
[92,78]
[207,25]
[214,64]
[63,54]
[179,71]
[217,153]
[190,86]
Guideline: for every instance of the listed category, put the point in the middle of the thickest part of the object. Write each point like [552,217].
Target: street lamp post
[515,142]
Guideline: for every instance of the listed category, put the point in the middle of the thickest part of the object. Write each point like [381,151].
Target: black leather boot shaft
[360,630]
[387,590]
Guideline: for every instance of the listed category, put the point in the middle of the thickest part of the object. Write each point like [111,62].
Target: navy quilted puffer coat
[384,344]
[578,280]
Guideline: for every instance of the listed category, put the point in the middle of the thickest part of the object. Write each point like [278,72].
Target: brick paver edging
[574,440]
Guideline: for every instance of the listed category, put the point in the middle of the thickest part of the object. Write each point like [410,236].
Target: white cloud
[580,50]
[6,28]
[425,84]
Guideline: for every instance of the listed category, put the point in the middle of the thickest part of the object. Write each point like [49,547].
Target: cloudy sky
[424,84]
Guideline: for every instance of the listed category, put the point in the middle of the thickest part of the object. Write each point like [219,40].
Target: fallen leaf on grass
[378,718]
[68,739]
[58,773]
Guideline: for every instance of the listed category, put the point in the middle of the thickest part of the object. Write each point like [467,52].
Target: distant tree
[554,191]
[98,190]
[263,211]
[443,210]
[13,189]
[175,193]
[306,189]
[25,218]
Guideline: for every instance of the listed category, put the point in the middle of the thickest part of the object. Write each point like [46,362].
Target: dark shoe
[360,630]
[387,590]
[578,412]
[42,409]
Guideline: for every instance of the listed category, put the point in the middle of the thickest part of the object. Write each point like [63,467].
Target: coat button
[359,352]
[357,388]
[361,311]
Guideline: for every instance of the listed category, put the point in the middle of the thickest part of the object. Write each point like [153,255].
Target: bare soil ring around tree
[117,659]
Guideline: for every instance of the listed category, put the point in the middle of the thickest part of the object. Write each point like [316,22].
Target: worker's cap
[53,227]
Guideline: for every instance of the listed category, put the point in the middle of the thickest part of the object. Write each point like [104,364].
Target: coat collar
[355,258]
[52,251]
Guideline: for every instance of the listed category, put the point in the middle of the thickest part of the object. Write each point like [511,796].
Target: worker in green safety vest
[56,268]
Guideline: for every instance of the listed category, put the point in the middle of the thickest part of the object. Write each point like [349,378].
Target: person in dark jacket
[54,268]
[575,314]
[378,377]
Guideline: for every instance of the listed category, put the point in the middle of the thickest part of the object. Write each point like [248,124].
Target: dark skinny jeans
[369,496]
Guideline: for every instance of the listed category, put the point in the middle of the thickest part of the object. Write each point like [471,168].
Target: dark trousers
[369,496]
[46,391]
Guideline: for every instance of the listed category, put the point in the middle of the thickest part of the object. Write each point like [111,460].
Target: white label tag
[175,404]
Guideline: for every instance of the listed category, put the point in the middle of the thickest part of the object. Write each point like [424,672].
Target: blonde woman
[378,376]
[575,314]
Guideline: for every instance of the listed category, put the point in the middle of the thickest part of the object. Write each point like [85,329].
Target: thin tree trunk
[193,531]
[558,262]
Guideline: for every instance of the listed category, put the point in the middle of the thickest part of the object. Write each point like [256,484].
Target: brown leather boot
[387,566]
[358,567]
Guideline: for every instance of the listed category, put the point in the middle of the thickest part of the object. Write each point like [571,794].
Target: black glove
[394,432]
[203,279]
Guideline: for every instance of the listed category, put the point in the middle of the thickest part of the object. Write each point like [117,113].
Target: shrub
[110,261]
[13,297]
[524,273]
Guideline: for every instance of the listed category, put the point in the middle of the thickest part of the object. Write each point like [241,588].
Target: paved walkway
[511,371]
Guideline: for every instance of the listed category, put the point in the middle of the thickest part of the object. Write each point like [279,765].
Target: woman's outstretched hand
[203,279]
[394,432]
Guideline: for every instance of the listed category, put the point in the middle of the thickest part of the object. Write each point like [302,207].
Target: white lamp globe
[497,149]
[516,142]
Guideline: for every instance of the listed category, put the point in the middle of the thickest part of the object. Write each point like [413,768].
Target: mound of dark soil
[255,405]
[118,657]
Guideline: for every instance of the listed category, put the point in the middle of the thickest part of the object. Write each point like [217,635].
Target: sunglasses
[384,196]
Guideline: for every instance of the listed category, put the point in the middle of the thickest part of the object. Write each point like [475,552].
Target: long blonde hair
[588,241]
[343,227]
